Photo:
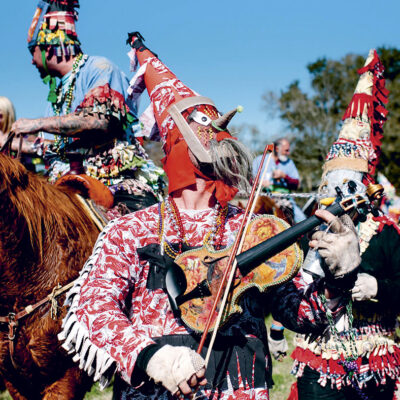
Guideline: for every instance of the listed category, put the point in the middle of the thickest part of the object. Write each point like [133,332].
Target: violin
[270,257]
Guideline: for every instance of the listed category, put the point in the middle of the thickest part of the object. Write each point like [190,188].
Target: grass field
[281,376]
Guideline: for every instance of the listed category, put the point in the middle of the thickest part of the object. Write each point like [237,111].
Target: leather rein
[12,319]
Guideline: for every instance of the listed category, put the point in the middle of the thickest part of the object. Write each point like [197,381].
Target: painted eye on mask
[323,190]
[199,117]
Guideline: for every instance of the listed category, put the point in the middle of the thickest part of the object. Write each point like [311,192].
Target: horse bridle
[12,318]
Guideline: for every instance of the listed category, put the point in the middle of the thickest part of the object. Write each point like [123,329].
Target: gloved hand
[177,368]
[365,288]
[278,348]
[339,246]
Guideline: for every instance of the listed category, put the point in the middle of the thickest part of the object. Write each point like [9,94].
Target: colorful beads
[66,99]
[213,238]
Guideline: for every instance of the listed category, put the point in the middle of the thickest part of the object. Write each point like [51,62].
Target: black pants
[310,389]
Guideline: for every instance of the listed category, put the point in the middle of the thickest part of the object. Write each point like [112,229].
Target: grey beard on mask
[231,163]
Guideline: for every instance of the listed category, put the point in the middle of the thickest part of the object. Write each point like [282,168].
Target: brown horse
[45,238]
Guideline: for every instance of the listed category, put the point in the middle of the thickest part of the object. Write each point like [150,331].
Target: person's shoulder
[101,63]
[146,216]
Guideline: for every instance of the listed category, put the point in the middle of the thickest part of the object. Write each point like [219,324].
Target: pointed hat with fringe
[359,144]
[53,25]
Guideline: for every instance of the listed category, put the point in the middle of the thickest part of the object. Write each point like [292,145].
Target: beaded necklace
[349,362]
[66,99]
[169,207]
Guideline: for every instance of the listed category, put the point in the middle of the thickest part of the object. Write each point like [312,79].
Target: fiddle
[269,258]
[199,273]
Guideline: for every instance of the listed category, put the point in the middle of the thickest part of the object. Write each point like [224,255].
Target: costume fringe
[67,4]
[379,367]
[105,101]
[386,220]
[373,106]
[75,336]
[137,86]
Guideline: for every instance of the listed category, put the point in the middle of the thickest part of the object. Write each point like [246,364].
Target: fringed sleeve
[105,103]
[96,329]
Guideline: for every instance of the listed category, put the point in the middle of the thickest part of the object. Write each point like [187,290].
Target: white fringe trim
[75,336]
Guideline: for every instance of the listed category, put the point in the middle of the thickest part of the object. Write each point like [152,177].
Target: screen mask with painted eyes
[341,178]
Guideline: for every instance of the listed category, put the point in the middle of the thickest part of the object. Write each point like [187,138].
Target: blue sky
[231,51]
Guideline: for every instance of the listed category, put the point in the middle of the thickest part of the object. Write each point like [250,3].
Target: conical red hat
[157,74]
[170,99]
[163,87]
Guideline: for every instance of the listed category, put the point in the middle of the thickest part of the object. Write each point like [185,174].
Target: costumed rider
[91,122]
[358,356]
[119,316]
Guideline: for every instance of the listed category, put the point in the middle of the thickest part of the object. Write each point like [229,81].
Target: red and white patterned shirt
[114,273]
[117,271]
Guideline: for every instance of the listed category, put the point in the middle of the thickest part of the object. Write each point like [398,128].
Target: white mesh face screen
[341,178]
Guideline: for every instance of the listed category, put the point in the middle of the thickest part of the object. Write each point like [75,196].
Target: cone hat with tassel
[172,106]
[358,145]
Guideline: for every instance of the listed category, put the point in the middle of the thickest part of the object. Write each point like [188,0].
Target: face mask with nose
[229,160]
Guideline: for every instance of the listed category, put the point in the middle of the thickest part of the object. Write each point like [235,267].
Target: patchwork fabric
[53,25]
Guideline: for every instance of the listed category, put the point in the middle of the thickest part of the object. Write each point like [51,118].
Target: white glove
[278,348]
[365,288]
[339,247]
[172,365]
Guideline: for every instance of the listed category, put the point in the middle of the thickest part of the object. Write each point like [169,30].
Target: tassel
[293,395]
[133,60]
[52,96]
[357,106]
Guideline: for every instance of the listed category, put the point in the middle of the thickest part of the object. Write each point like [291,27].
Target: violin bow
[236,248]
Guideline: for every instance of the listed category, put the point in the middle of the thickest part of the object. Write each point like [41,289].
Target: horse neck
[25,276]
[15,251]
[29,273]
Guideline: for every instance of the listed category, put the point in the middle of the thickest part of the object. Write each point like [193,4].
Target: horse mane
[44,207]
